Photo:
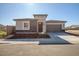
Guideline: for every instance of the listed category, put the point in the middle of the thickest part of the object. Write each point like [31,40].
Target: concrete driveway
[62,37]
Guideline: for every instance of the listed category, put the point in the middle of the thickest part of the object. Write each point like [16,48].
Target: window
[26,25]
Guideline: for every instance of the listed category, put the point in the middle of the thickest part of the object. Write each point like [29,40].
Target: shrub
[2,34]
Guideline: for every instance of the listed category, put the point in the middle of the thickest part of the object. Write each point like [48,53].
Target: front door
[40,26]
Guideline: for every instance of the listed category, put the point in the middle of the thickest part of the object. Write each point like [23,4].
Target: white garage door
[53,27]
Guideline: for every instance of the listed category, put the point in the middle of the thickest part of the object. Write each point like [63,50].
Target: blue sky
[67,12]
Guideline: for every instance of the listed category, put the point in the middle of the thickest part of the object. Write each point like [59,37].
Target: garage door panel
[51,28]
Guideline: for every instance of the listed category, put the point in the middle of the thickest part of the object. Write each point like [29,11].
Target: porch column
[44,26]
[63,26]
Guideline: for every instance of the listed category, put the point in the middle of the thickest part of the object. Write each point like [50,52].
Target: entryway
[40,26]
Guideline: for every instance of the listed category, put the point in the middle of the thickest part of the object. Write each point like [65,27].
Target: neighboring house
[73,27]
[2,27]
[10,29]
[39,24]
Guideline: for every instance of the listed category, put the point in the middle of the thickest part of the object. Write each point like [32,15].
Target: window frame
[28,26]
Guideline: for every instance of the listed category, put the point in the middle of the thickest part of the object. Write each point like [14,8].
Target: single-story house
[39,24]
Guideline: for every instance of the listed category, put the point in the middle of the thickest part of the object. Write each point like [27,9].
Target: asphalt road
[38,50]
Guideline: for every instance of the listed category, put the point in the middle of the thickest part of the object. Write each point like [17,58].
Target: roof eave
[23,19]
[40,14]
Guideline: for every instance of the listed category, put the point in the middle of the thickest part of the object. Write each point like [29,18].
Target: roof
[55,21]
[40,14]
[23,19]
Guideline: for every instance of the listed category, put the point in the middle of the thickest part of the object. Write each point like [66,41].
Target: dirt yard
[38,50]
[76,32]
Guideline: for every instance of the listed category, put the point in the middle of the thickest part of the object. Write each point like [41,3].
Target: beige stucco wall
[20,25]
